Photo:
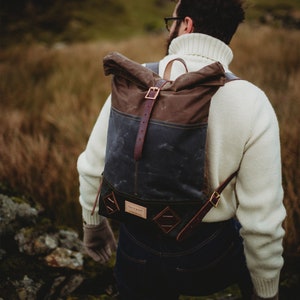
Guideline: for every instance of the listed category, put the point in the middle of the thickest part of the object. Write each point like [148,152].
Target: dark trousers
[152,266]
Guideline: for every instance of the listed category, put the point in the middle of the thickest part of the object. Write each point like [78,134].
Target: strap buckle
[152,93]
[215,199]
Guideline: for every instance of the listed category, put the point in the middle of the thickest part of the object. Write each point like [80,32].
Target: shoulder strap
[153,66]
[213,201]
[230,76]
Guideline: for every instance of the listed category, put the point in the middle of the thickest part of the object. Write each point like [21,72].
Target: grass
[51,94]
[49,22]
[71,21]
[271,61]
[50,99]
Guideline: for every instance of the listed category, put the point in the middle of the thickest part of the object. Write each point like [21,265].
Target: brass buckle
[215,199]
[152,93]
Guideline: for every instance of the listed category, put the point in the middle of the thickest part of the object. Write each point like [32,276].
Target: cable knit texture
[242,134]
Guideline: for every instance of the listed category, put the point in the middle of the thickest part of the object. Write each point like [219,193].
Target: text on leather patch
[135,209]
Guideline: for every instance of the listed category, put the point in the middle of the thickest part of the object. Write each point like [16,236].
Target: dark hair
[217,18]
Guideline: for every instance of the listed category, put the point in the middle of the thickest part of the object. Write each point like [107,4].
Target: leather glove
[99,241]
[255,297]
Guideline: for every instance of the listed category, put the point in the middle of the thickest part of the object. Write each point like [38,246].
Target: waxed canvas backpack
[154,173]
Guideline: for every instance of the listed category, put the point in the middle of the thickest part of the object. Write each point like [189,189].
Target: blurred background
[52,88]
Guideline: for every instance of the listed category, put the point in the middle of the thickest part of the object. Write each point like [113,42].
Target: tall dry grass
[271,59]
[50,99]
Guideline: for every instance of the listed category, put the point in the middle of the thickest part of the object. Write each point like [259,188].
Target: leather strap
[167,73]
[150,98]
[212,202]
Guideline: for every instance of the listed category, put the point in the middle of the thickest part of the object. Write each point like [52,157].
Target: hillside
[50,98]
[51,21]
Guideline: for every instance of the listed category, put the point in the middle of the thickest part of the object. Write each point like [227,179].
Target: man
[242,135]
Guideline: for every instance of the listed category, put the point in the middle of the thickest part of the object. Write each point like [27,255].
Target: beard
[171,37]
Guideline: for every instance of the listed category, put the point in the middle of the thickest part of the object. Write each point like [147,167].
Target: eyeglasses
[171,19]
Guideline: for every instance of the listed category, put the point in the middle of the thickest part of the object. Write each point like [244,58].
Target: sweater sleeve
[90,165]
[260,199]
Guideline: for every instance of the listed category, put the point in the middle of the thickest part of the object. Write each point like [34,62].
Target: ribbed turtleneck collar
[198,44]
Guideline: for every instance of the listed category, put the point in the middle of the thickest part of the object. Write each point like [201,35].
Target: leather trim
[150,101]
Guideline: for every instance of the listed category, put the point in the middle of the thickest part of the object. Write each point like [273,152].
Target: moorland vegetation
[52,88]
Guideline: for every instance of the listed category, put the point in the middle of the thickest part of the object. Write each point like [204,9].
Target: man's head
[217,18]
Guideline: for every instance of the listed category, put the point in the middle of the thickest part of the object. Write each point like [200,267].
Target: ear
[188,25]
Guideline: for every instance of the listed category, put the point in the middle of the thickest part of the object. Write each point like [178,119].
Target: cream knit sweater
[242,134]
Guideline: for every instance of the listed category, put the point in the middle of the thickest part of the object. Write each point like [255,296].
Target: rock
[27,288]
[65,258]
[71,285]
[63,286]
[39,260]
[31,243]
[69,239]
[14,214]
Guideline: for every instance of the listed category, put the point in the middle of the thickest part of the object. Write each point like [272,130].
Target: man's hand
[99,241]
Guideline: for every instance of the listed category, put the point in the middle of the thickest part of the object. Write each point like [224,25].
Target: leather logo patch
[135,209]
